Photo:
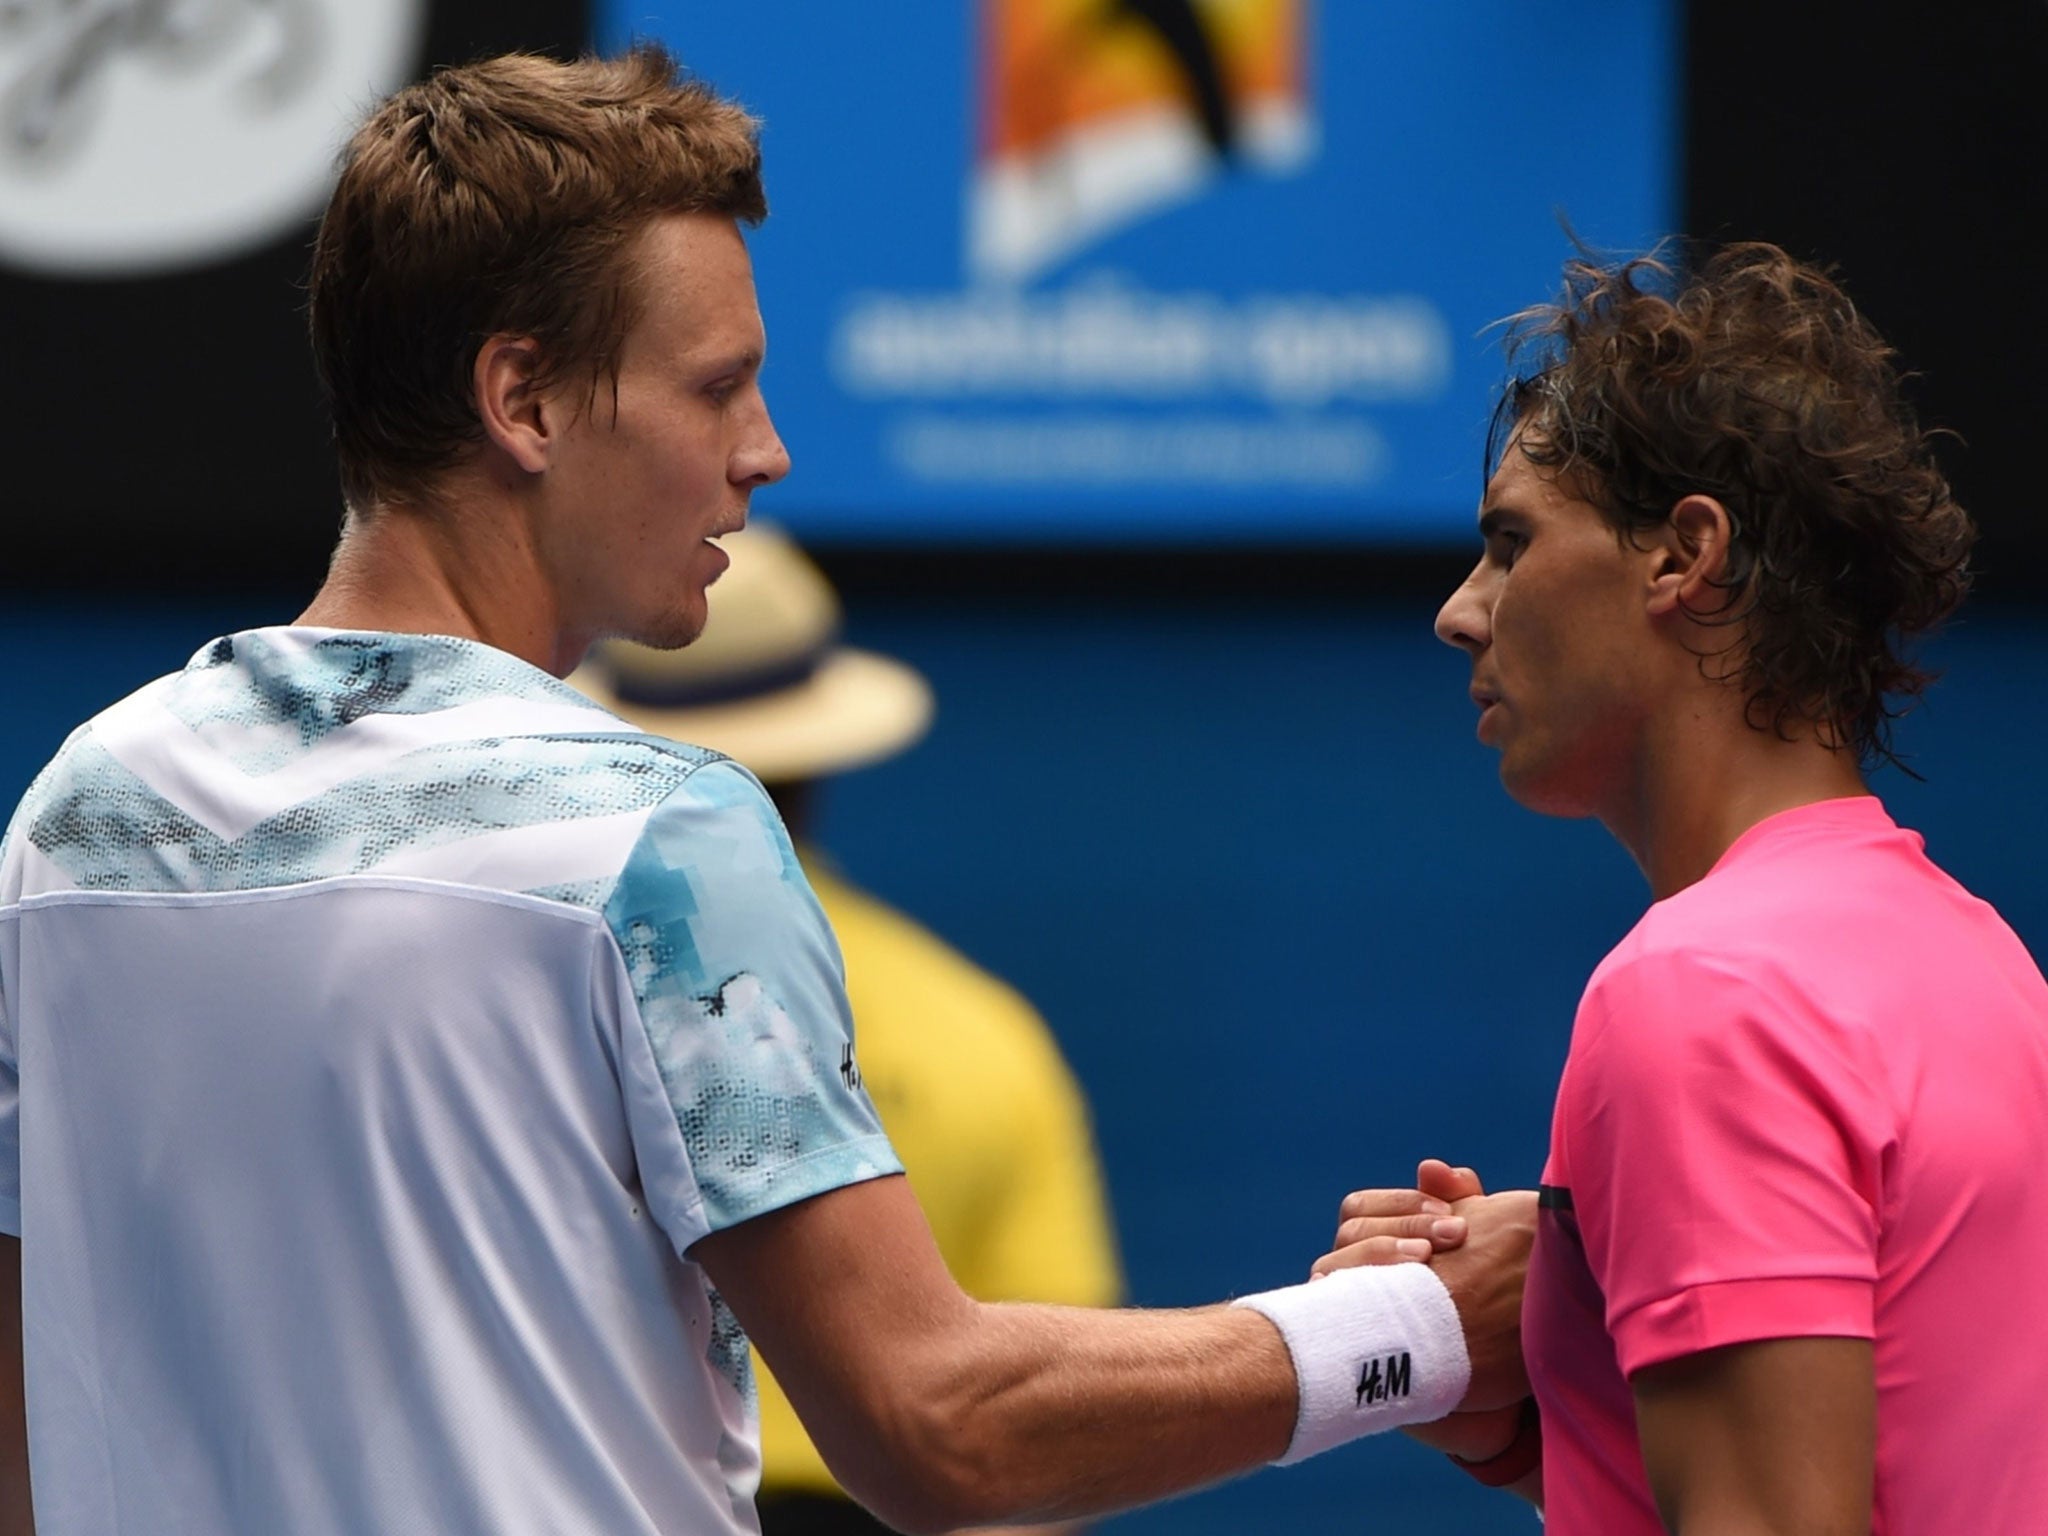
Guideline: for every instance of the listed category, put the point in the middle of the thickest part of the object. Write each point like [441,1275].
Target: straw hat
[768,683]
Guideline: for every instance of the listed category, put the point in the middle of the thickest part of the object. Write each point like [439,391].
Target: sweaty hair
[501,198]
[1752,379]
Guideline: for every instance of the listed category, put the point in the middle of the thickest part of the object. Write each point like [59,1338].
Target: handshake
[1479,1246]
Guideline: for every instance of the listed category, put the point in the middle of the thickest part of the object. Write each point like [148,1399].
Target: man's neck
[445,572]
[1708,777]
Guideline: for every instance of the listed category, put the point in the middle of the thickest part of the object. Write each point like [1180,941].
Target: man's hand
[1484,1273]
[1390,1226]
[1479,1435]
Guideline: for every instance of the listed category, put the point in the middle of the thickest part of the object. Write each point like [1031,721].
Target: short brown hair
[501,198]
[1751,378]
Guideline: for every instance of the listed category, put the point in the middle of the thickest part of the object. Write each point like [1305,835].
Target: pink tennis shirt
[1806,1096]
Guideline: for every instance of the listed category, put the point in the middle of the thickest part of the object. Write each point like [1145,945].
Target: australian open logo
[1096,113]
[1057,363]
[137,135]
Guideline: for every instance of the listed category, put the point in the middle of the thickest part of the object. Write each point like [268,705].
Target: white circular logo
[137,135]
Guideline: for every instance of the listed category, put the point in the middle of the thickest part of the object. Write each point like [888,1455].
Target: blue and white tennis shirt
[380,1021]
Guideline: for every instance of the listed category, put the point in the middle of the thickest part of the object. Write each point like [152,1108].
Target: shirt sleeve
[740,1005]
[1727,1142]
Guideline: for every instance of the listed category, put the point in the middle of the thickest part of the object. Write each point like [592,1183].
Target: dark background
[168,433]
[170,430]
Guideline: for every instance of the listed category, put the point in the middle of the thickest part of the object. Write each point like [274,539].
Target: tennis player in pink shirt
[1791,1272]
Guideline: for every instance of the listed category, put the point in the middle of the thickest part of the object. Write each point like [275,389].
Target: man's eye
[1507,548]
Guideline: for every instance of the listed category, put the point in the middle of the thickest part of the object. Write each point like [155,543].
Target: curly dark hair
[1752,379]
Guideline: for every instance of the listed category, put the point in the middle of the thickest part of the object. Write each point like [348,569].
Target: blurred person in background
[1793,1207]
[967,1078]
[417,1085]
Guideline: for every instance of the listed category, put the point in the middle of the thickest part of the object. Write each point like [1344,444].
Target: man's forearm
[1052,1413]
[937,1411]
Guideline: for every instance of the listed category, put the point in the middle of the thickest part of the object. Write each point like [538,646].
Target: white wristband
[1374,1348]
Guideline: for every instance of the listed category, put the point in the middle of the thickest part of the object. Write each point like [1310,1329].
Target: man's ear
[513,409]
[1694,549]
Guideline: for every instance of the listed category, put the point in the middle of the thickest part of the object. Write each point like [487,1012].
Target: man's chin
[673,630]
[672,637]
[1545,793]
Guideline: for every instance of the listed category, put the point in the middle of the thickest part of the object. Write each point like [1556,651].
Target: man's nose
[1464,620]
[764,460]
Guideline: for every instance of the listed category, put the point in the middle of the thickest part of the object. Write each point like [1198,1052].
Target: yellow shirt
[990,1125]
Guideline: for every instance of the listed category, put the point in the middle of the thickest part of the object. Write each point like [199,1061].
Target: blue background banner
[1115,334]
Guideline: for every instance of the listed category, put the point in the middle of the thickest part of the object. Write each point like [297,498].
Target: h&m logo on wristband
[1382,1380]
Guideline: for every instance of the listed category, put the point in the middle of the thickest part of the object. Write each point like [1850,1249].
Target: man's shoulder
[1820,904]
[1715,981]
[1688,963]
[279,757]
[1784,877]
